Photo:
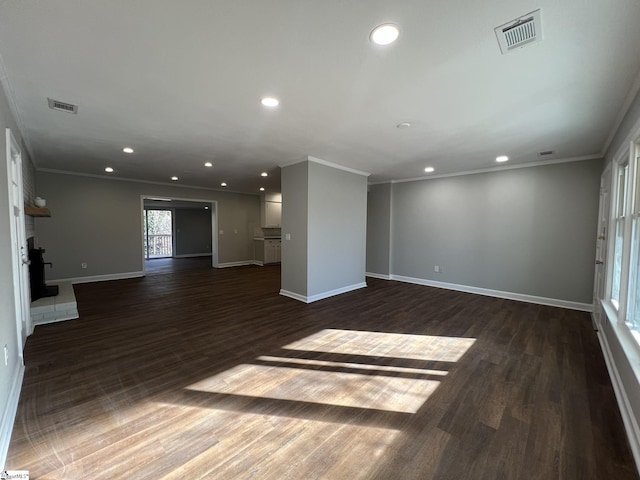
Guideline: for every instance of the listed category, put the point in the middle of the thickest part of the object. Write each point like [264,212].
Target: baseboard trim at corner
[100,278]
[9,414]
[293,295]
[323,295]
[236,264]
[521,297]
[378,275]
[381,276]
[626,412]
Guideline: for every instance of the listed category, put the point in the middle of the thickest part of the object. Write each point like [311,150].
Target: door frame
[19,253]
[214,225]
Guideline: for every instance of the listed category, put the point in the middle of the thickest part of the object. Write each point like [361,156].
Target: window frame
[617,315]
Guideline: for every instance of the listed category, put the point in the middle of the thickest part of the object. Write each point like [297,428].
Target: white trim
[9,414]
[309,158]
[628,418]
[100,278]
[381,276]
[586,307]
[191,255]
[295,296]
[496,169]
[323,295]
[236,264]
[258,263]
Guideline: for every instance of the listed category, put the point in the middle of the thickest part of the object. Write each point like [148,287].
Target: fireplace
[39,288]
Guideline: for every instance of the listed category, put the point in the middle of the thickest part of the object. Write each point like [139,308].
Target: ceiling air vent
[520,32]
[545,153]
[62,106]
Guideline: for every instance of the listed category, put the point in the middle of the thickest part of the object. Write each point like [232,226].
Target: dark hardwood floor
[203,373]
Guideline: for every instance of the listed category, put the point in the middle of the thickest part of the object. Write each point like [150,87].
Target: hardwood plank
[193,372]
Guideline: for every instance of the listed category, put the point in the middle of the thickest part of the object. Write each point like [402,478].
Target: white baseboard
[243,263]
[295,296]
[100,278]
[553,302]
[378,275]
[628,418]
[323,295]
[258,263]
[9,414]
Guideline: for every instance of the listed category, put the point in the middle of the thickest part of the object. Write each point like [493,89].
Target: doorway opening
[158,233]
[177,230]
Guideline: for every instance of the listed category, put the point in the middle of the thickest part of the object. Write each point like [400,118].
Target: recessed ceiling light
[127,150]
[174,178]
[206,207]
[264,174]
[262,189]
[384,34]
[429,169]
[208,164]
[270,102]
[502,158]
[108,169]
[403,125]
[223,184]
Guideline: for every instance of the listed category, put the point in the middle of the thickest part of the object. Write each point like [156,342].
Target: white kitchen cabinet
[272,251]
[272,214]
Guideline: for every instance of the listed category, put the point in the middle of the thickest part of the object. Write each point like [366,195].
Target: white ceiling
[181,82]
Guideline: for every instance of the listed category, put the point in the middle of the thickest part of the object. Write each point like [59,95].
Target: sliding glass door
[158,233]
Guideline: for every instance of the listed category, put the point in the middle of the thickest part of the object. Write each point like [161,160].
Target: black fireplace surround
[39,288]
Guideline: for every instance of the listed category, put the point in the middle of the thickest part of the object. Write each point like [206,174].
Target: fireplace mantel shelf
[36,212]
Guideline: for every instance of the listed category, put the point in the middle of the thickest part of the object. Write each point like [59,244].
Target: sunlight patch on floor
[394,394]
[398,345]
[384,383]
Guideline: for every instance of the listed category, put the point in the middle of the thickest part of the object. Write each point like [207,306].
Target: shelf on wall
[36,212]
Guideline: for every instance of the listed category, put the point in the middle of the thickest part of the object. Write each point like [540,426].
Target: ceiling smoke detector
[520,32]
[62,106]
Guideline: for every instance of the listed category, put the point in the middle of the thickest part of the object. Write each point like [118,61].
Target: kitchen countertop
[267,238]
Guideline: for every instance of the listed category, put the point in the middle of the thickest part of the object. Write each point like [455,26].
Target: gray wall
[528,231]
[337,212]
[8,327]
[295,201]
[193,231]
[99,221]
[379,229]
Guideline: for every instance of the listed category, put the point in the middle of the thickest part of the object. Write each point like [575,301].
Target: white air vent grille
[62,106]
[520,32]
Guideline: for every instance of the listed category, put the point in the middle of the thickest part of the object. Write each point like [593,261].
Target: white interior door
[601,247]
[20,255]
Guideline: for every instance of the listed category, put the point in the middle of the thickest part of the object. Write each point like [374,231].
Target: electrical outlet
[83,264]
[6,355]
[437,269]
